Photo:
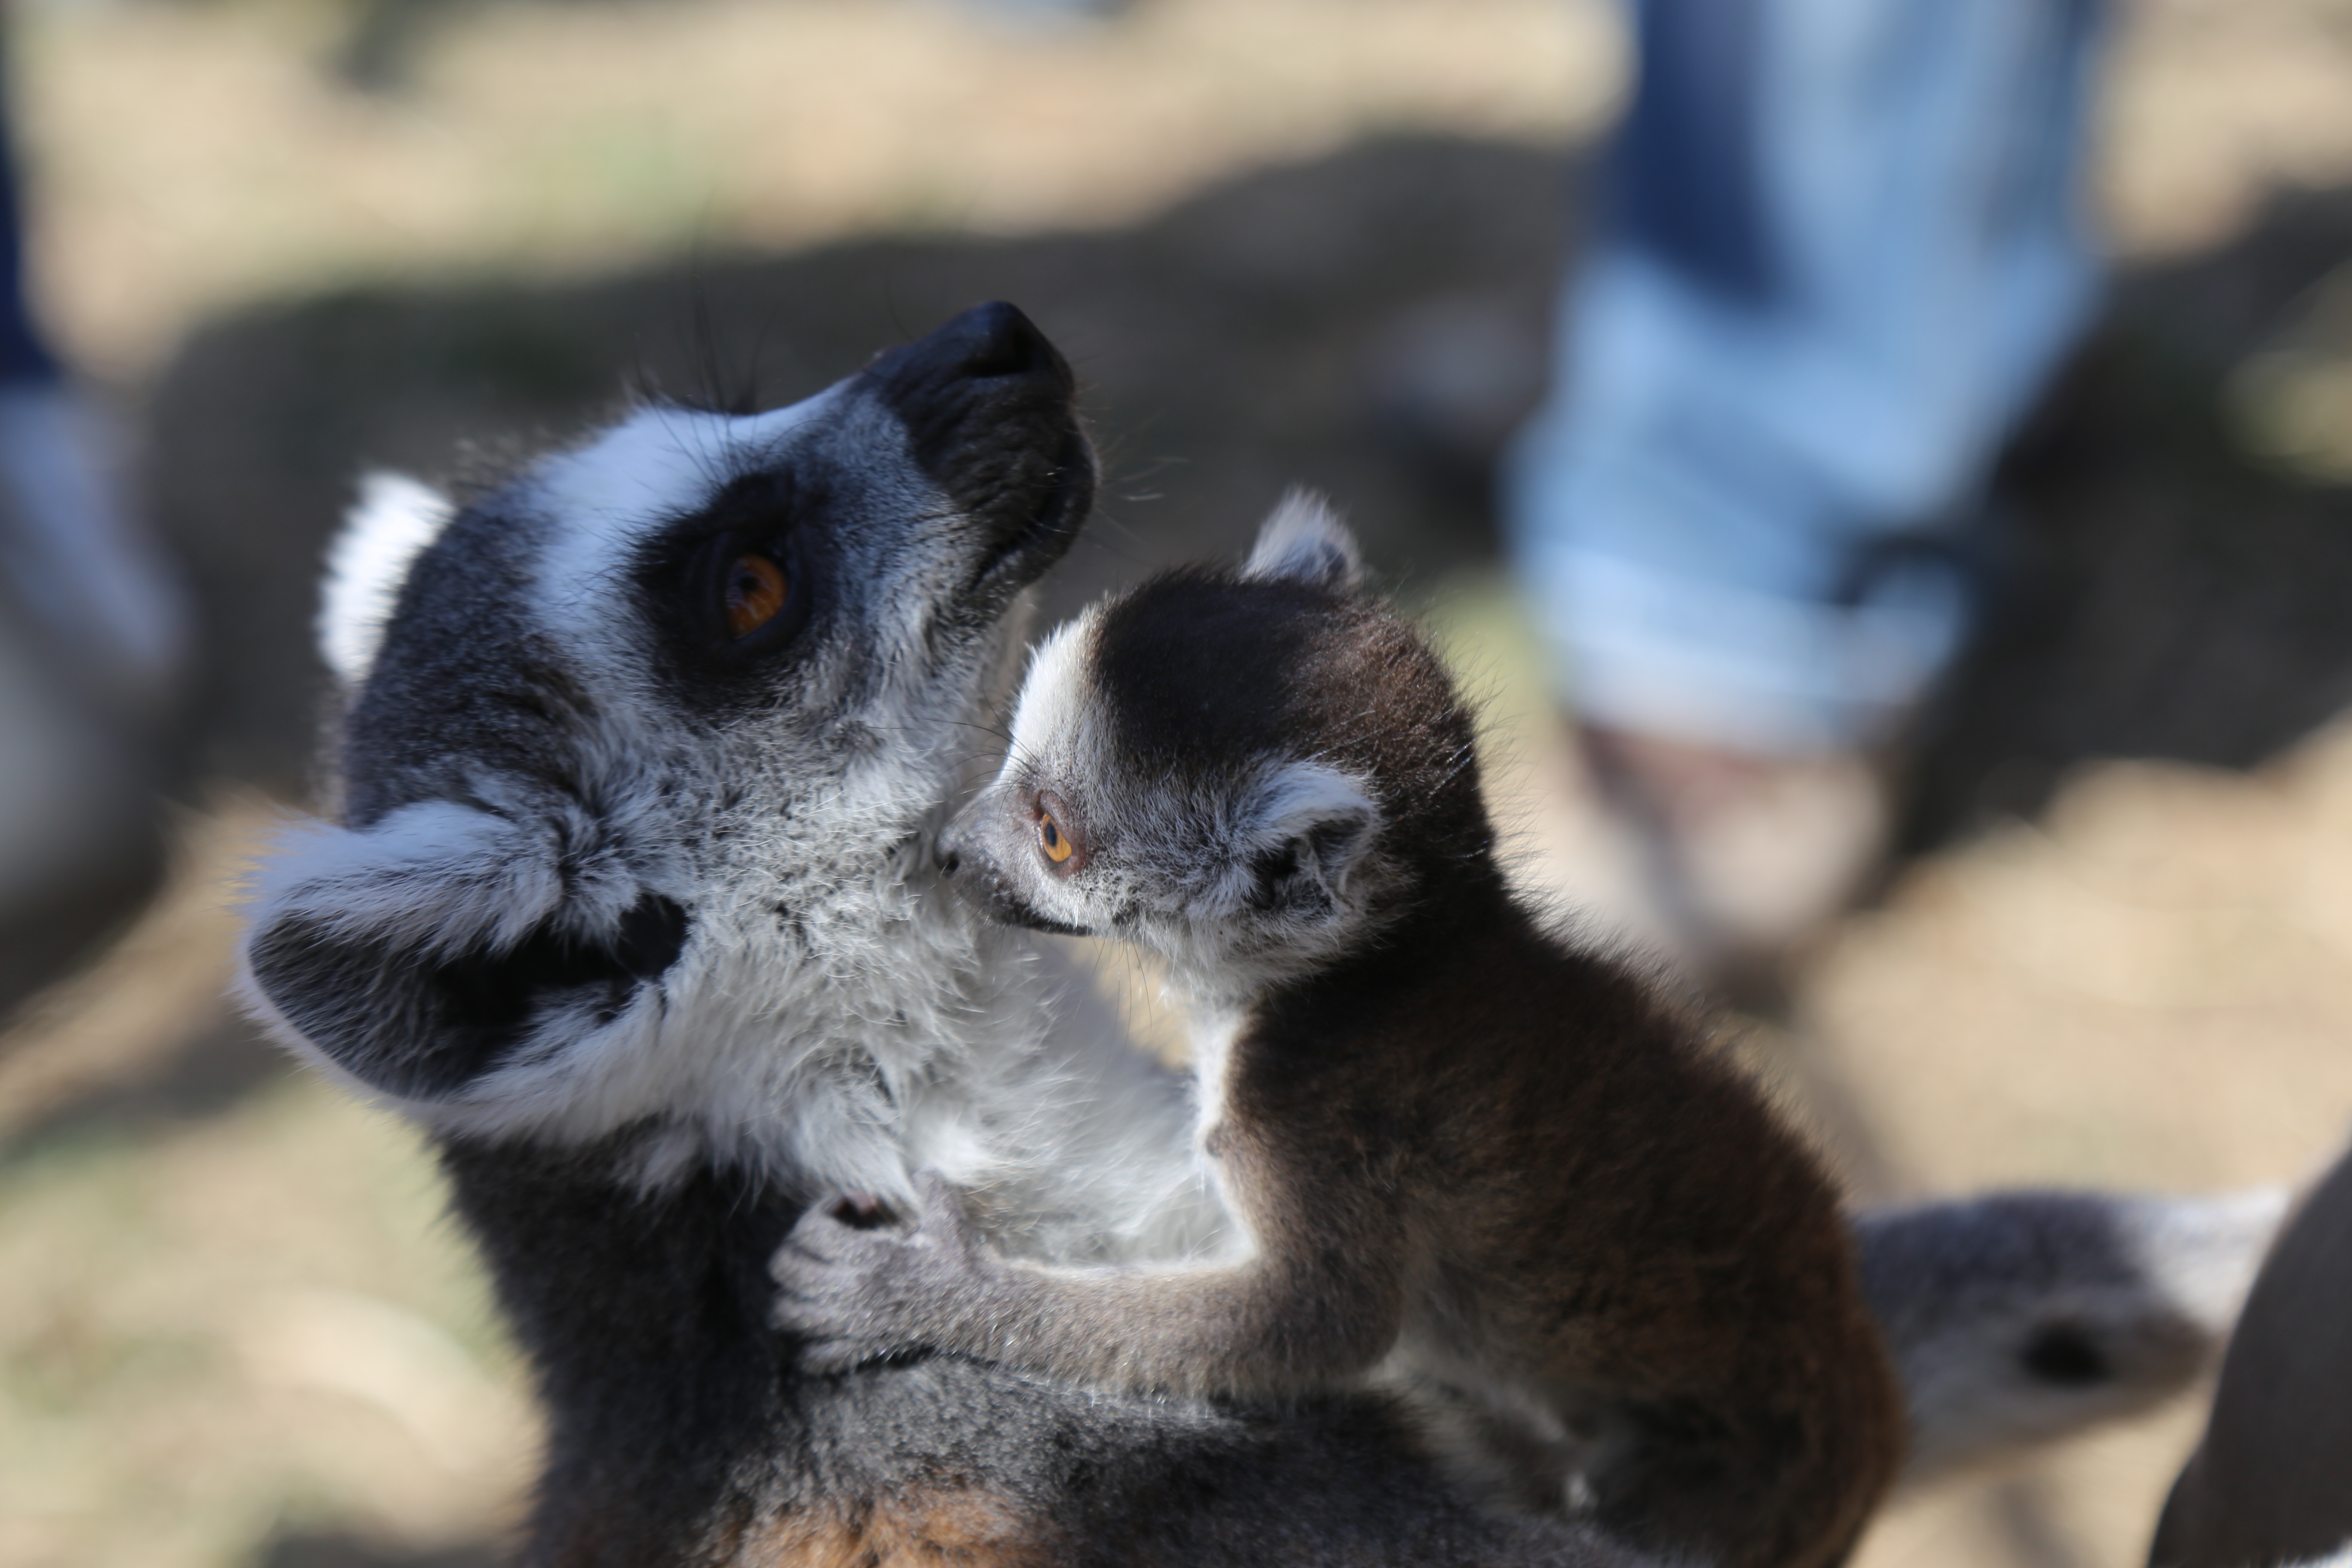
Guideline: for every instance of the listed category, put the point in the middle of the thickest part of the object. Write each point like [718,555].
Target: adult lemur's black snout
[987,403]
[996,339]
[990,359]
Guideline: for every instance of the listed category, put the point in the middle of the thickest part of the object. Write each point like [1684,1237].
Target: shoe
[94,637]
[75,565]
[1747,858]
[81,837]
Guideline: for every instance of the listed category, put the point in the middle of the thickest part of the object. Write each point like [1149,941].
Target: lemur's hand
[856,1295]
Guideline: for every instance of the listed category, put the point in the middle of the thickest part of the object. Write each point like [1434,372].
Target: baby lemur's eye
[1055,838]
[756,590]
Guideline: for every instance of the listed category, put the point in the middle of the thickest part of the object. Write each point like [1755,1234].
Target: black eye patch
[731,589]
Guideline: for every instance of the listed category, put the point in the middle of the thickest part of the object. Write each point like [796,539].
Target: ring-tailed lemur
[1463,1153]
[628,903]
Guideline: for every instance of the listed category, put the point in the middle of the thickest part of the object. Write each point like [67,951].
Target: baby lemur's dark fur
[1504,1170]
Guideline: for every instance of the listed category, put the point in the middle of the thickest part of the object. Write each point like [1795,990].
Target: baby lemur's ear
[1303,541]
[1307,828]
[446,944]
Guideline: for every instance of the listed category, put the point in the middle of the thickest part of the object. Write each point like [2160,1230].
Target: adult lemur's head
[662,717]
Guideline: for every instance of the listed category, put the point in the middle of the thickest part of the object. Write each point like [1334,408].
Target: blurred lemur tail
[2022,1318]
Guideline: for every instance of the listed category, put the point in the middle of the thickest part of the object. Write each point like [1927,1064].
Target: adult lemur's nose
[996,339]
[987,403]
[986,343]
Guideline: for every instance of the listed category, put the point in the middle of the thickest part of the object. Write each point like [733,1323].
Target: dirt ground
[1284,240]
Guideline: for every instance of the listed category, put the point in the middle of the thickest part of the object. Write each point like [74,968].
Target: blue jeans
[1842,247]
[24,356]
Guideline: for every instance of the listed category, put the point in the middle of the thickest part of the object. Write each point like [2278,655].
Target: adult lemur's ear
[1309,828]
[1303,541]
[445,944]
[390,524]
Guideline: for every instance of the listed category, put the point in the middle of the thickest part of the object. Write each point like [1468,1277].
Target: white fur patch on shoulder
[1303,539]
[390,524]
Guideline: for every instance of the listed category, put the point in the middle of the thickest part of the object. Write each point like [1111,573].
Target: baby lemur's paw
[854,1293]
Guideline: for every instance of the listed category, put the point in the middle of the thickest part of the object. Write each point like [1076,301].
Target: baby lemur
[1507,1171]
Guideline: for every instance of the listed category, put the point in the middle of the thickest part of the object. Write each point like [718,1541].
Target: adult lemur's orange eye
[1052,839]
[756,591]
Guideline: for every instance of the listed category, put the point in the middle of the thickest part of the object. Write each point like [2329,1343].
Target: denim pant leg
[1842,246]
[24,356]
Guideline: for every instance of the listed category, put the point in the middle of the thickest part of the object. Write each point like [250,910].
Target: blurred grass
[205,156]
[230,1330]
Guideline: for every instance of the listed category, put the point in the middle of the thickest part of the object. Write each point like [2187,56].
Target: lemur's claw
[818,1242]
[940,1218]
[835,1357]
[854,1293]
[860,1210]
